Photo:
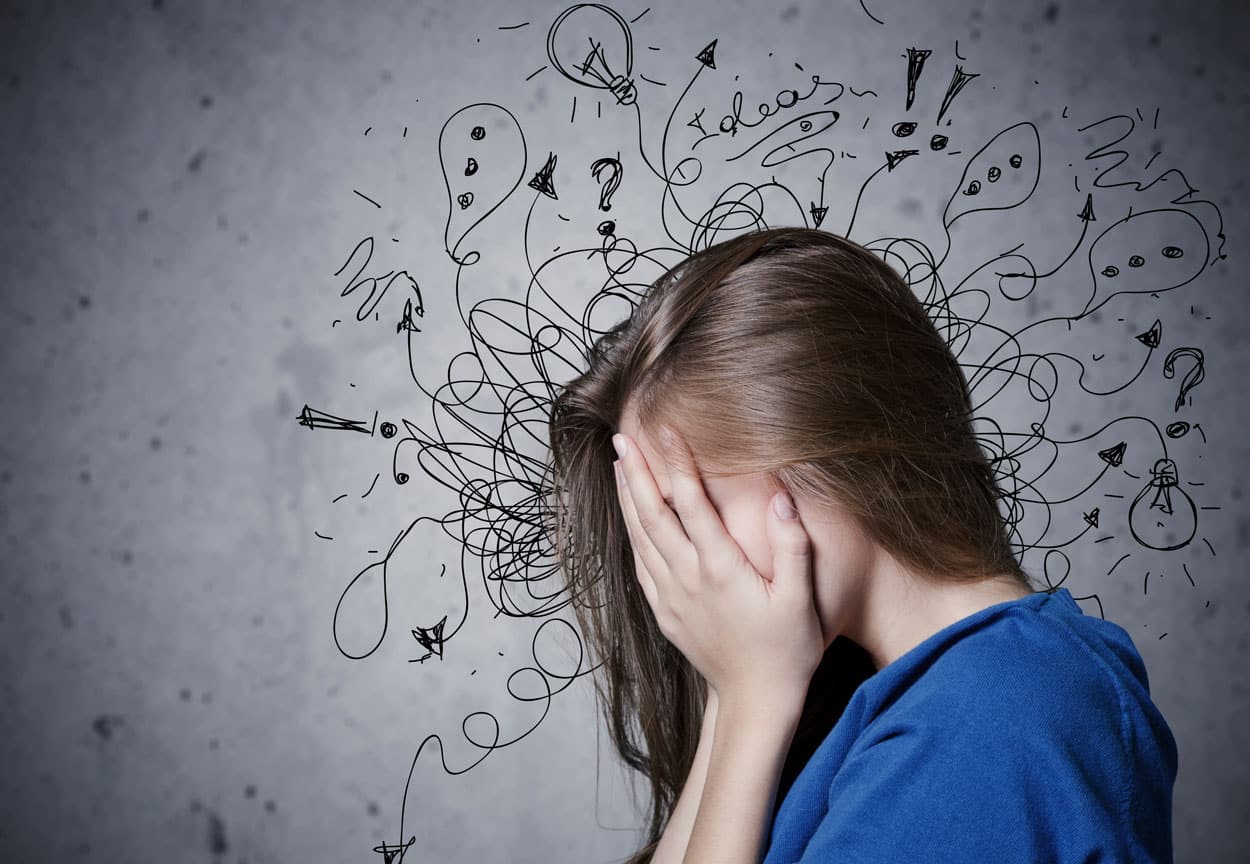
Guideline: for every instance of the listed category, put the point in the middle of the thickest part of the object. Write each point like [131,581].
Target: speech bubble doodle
[999,176]
[1146,253]
[481,169]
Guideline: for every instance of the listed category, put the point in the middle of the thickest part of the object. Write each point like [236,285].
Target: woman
[883,638]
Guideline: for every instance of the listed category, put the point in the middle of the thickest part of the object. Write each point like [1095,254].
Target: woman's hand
[754,641]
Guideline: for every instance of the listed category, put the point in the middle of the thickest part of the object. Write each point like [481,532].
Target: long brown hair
[832,376]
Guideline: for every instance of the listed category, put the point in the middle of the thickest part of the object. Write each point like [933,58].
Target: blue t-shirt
[1024,732]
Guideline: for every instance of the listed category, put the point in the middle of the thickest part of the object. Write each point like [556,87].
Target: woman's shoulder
[1015,734]
[1052,650]
[1024,732]
[1042,651]
[1038,673]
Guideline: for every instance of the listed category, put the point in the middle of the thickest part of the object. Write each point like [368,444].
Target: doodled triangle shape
[708,55]
[431,638]
[893,158]
[1151,338]
[1091,518]
[1087,212]
[1113,455]
[542,180]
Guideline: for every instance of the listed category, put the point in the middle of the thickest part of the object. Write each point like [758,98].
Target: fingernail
[783,504]
[618,442]
[616,469]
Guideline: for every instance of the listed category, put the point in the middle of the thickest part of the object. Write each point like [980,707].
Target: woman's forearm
[749,748]
[672,846]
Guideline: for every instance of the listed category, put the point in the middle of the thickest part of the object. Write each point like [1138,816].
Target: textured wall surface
[183,186]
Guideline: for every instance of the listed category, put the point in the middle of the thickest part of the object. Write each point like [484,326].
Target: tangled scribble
[987,259]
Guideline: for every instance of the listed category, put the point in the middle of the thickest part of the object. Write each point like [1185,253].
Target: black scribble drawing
[1192,378]
[315,419]
[863,6]
[915,65]
[431,639]
[535,202]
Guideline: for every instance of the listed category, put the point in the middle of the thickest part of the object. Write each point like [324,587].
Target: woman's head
[842,553]
[786,358]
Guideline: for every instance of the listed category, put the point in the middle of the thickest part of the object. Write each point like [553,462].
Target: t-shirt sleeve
[974,789]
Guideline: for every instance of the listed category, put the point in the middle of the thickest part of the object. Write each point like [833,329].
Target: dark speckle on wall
[105,725]
[217,844]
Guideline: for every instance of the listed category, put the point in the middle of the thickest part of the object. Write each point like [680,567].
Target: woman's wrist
[763,709]
[751,737]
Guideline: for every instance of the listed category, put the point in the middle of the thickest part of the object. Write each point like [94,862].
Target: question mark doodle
[1192,379]
[613,167]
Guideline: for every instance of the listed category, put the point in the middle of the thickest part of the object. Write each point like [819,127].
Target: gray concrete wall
[179,187]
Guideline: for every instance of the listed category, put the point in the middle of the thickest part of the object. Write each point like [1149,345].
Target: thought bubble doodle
[1146,253]
[999,176]
[480,169]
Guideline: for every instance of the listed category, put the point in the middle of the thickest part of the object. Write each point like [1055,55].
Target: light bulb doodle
[1163,516]
[594,24]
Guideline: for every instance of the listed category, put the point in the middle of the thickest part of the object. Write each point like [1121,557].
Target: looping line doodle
[824,153]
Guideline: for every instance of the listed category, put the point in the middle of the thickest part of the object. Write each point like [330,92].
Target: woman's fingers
[645,553]
[643,550]
[646,583]
[702,524]
[652,515]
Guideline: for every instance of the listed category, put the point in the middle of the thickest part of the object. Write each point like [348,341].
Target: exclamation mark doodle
[915,65]
[958,80]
